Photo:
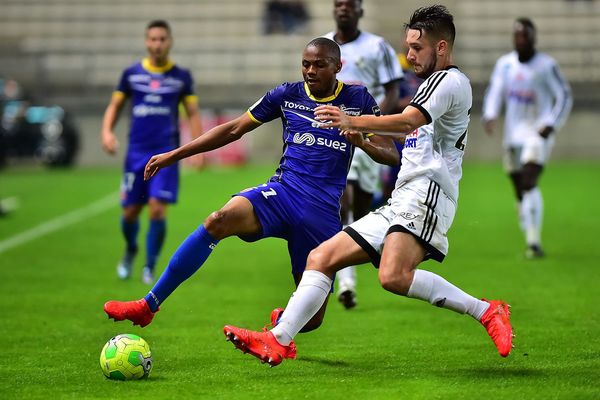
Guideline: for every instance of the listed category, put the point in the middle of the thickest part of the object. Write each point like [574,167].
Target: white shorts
[420,208]
[535,149]
[365,171]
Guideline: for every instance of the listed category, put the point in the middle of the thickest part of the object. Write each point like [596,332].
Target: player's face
[347,13]
[158,43]
[421,53]
[318,70]
[523,40]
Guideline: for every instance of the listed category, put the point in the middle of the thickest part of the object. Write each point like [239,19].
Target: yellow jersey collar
[338,89]
[154,69]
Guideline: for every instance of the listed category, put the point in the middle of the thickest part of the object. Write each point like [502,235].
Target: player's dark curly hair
[158,23]
[332,47]
[434,20]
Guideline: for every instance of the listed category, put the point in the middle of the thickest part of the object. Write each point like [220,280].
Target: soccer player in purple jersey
[155,87]
[300,203]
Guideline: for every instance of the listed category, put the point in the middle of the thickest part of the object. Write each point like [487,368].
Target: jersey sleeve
[369,106]
[561,92]
[124,86]
[268,107]
[187,92]
[434,97]
[389,68]
[493,98]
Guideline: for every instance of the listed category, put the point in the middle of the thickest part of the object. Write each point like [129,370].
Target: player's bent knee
[215,224]
[397,282]
[320,260]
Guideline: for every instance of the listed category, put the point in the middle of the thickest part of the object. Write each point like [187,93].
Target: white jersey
[436,150]
[535,93]
[370,61]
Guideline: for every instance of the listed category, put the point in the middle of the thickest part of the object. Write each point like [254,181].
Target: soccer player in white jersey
[538,101]
[367,60]
[413,226]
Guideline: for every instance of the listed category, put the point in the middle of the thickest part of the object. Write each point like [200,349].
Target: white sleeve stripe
[432,83]
[565,99]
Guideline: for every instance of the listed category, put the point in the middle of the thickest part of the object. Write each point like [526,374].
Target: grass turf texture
[53,327]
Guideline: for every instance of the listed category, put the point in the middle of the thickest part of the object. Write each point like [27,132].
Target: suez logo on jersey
[310,140]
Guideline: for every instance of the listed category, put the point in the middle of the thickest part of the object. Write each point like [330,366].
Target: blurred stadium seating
[74,50]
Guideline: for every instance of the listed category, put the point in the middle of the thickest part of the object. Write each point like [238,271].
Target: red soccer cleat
[261,345]
[275,315]
[496,321]
[137,312]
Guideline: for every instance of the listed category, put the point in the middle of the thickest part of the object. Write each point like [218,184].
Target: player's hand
[546,131]
[331,116]
[489,125]
[156,163]
[110,143]
[354,137]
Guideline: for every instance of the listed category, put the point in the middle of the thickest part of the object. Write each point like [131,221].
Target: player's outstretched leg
[496,321]
[137,311]
[261,345]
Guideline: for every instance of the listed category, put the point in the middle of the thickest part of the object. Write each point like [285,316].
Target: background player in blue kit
[155,87]
[301,202]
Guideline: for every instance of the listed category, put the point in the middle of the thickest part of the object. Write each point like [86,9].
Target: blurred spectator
[284,16]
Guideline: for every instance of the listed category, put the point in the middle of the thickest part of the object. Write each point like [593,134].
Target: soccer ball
[126,357]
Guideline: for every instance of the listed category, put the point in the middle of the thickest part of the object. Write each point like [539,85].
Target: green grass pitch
[52,326]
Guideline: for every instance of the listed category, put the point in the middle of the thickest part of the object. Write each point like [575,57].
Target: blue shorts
[163,186]
[287,213]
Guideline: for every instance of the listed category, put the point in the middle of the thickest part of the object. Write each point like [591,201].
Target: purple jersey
[315,160]
[301,202]
[155,94]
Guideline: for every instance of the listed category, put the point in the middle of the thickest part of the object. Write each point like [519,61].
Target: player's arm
[392,92]
[380,148]
[409,120]
[218,136]
[190,105]
[110,144]
[493,99]
[563,101]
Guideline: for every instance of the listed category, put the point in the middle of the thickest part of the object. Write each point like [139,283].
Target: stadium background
[59,248]
[71,53]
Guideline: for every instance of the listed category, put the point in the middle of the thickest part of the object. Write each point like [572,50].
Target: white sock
[346,279]
[438,291]
[533,207]
[304,303]
[520,213]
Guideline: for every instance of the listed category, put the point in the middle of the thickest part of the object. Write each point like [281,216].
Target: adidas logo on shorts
[411,226]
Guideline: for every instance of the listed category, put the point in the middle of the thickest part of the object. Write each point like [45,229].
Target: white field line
[61,222]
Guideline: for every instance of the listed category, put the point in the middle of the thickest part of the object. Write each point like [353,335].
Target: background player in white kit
[367,60]
[414,224]
[538,101]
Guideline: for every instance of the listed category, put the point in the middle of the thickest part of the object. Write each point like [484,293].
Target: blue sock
[154,241]
[188,258]
[130,231]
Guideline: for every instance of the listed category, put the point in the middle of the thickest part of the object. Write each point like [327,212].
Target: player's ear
[338,67]
[442,48]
